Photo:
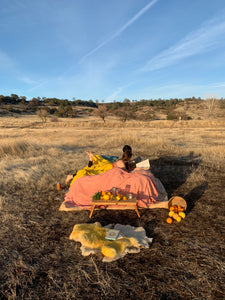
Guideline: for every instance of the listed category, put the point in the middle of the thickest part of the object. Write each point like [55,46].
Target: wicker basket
[179,201]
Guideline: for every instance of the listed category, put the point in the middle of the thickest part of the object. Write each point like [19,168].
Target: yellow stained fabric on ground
[92,236]
[100,165]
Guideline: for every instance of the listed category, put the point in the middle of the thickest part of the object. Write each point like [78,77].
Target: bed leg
[92,209]
[136,209]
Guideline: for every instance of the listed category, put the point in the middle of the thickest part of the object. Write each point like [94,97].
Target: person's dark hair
[127,148]
[127,154]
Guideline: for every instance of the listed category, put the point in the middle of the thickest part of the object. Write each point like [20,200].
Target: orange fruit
[118,197]
[103,193]
[169,220]
[175,208]
[124,198]
[172,208]
[175,216]
[180,208]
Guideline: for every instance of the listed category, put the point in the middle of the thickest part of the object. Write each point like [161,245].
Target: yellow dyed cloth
[100,165]
[92,239]
[92,236]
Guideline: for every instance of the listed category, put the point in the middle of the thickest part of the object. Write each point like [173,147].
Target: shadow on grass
[194,195]
[173,171]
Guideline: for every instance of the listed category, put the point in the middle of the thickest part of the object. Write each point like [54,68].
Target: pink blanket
[139,183]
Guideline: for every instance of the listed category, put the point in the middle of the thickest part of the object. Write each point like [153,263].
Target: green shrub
[171,117]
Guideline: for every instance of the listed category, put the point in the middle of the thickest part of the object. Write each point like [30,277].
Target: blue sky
[112,50]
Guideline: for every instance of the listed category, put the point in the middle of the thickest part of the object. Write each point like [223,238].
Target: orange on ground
[175,216]
[169,220]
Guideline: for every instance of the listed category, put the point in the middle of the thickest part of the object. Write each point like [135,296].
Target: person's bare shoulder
[119,164]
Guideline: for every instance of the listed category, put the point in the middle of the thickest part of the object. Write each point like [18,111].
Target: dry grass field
[38,261]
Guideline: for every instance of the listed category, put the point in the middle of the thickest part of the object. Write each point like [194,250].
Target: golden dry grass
[186,260]
[29,150]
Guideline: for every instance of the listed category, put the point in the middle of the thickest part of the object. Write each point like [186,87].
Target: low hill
[145,110]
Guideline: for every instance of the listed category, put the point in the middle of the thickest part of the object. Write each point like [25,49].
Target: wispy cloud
[122,29]
[38,85]
[113,96]
[208,37]
[27,80]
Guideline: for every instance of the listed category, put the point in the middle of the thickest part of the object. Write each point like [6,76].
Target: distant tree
[43,114]
[14,98]
[65,110]
[89,103]
[34,102]
[211,104]
[124,113]
[126,101]
[23,99]
[101,112]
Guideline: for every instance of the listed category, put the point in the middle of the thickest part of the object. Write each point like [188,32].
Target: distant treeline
[37,101]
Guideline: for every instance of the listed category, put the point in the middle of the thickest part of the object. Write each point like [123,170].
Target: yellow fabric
[100,165]
[92,236]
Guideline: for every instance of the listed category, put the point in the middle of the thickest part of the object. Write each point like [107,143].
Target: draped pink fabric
[139,183]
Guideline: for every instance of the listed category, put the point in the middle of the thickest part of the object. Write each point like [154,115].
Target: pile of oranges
[103,195]
[176,213]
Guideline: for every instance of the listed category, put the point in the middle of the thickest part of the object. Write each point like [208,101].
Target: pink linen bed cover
[140,183]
